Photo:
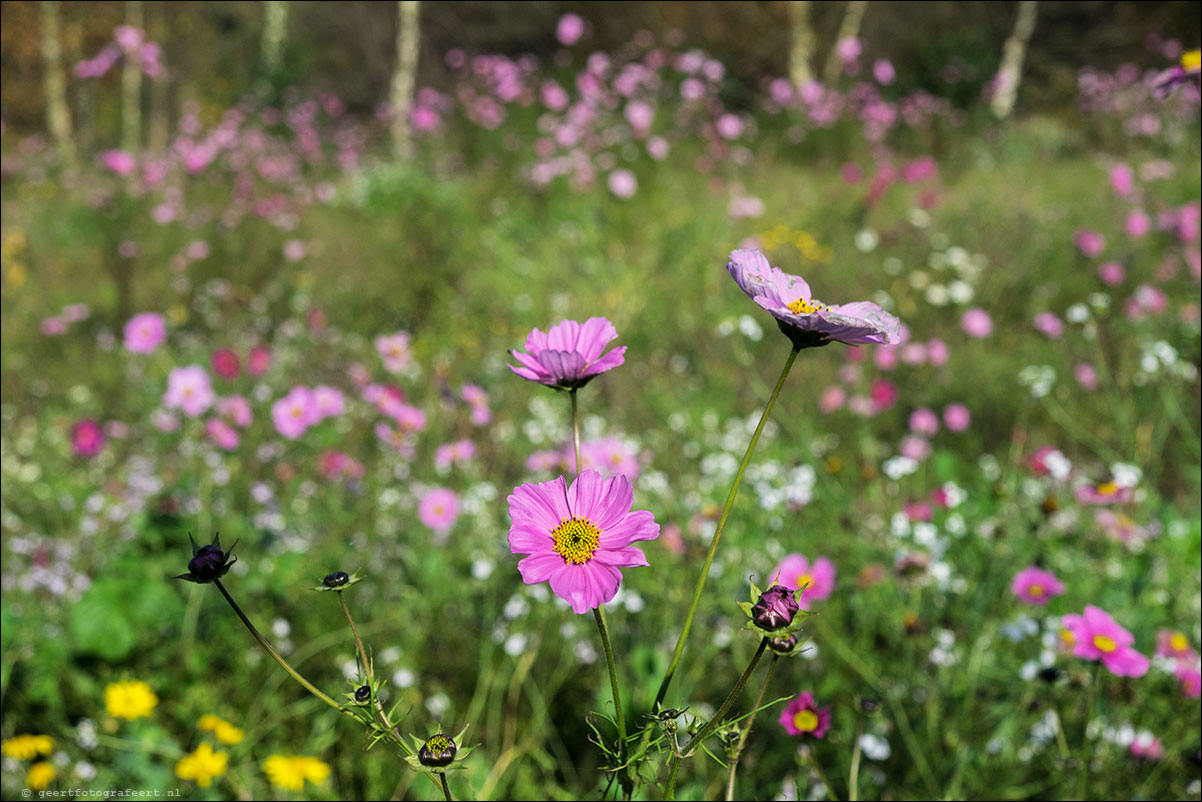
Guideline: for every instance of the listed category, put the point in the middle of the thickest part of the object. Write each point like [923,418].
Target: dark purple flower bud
[775,609]
[207,564]
[362,693]
[438,751]
[783,644]
[336,579]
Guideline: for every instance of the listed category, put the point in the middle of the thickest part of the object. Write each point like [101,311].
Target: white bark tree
[403,80]
[275,29]
[54,82]
[131,85]
[1010,73]
[802,48]
[853,18]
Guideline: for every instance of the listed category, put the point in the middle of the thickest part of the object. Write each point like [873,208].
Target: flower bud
[209,563]
[438,751]
[336,579]
[783,644]
[775,609]
[362,693]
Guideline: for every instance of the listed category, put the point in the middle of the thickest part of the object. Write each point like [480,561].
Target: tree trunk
[403,80]
[803,42]
[159,124]
[58,113]
[853,17]
[275,29]
[131,86]
[1010,73]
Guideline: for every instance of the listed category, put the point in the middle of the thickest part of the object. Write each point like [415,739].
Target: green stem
[267,647]
[369,669]
[709,556]
[575,431]
[755,709]
[716,720]
[821,774]
[1089,703]
[599,614]
[446,789]
[853,776]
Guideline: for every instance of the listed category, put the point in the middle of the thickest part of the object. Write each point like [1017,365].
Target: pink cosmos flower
[222,434]
[337,465]
[54,326]
[956,417]
[145,332]
[1191,680]
[1175,644]
[1111,273]
[1049,461]
[438,509]
[1034,585]
[1089,243]
[883,72]
[408,418]
[1105,493]
[569,30]
[1138,223]
[937,352]
[258,361]
[1095,636]
[329,401]
[977,323]
[450,454]
[1120,527]
[915,447]
[795,572]
[1049,325]
[609,456]
[477,399]
[294,413]
[1086,375]
[883,394]
[578,537]
[1122,179]
[189,390]
[787,298]
[236,409]
[87,438]
[623,184]
[803,717]
[1148,747]
[119,162]
[923,421]
[398,440]
[569,355]
[394,351]
[226,363]
[831,399]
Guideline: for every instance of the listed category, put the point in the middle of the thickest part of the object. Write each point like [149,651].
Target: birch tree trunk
[803,43]
[54,82]
[1010,74]
[403,80]
[275,29]
[159,124]
[853,18]
[131,85]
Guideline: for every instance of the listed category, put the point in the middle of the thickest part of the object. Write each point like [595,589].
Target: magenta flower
[569,355]
[87,438]
[795,572]
[226,363]
[1036,586]
[1191,680]
[1089,243]
[189,390]
[1104,493]
[923,421]
[578,537]
[438,509]
[788,299]
[145,332]
[236,409]
[1175,644]
[221,434]
[803,717]
[569,30]
[956,417]
[1147,746]
[1095,636]
[294,413]
[258,361]
[977,323]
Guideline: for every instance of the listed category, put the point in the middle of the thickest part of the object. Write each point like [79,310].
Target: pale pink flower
[329,400]
[831,399]
[458,452]
[1111,273]
[569,355]
[1049,325]
[294,413]
[1089,243]
[924,422]
[1086,375]
[569,30]
[883,72]
[956,417]
[1122,179]
[189,390]
[394,351]
[438,509]
[236,409]
[977,323]
[623,184]
[145,332]
[221,434]
[1138,224]
[915,447]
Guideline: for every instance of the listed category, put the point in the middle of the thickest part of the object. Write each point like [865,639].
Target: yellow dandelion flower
[132,699]
[289,772]
[26,747]
[202,765]
[227,733]
[208,722]
[1191,60]
[40,776]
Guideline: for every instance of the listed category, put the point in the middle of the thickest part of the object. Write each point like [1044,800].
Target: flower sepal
[801,338]
[339,581]
[209,563]
[439,753]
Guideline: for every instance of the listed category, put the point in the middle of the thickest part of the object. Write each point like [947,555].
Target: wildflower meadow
[601,400]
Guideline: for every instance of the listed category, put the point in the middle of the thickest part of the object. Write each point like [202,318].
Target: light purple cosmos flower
[438,509]
[294,413]
[578,537]
[145,332]
[1036,586]
[569,356]
[189,390]
[805,320]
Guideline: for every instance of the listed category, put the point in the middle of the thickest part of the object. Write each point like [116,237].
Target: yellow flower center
[1104,644]
[1035,590]
[1108,488]
[1066,637]
[800,307]
[576,539]
[806,720]
[1178,642]
[1191,59]
[438,744]
[804,581]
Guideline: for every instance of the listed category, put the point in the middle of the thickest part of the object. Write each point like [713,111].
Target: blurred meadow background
[216,212]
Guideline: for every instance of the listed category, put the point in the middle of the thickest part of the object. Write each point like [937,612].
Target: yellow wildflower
[208,722]
[202,765]
[222,730]
[129,700]
[290,772]
[40,776]
[25,747]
